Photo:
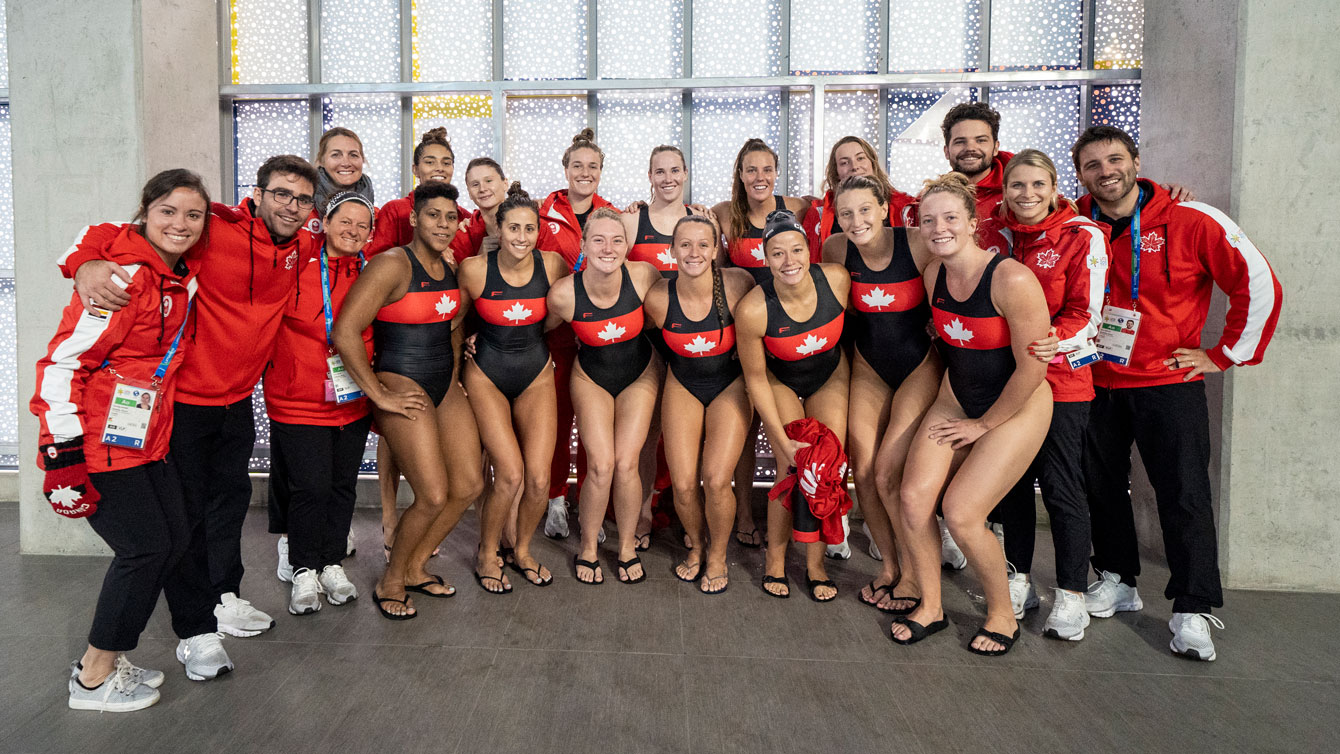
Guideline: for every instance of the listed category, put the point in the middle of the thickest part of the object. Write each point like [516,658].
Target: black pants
[142,517]
[313,475]
[1058,471]
[1170,424]
[212,446]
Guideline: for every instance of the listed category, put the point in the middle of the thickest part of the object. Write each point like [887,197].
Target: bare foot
[531,570]
[1005,626]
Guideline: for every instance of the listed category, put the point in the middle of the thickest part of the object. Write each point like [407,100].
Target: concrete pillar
[102,95]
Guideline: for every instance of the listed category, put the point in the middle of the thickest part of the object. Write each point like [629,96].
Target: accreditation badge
[340,387]
[1116,336]
[129,415]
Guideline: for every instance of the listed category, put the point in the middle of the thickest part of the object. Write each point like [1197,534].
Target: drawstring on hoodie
[251,257]
[161,315]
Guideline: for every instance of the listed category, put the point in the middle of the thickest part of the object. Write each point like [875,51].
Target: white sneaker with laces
[1068,618]
[305,597]
[1191,635]
[203,656]
[1023,596]
[285,569]
[237,617]
[1108,596]
[556,520]
[841,550]
[950,555]
[349,547]
[874,548]
[336,585]
[151,678]
[118,692]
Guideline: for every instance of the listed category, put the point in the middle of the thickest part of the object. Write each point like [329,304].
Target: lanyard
[162,369]
[325,292]
[1135,248]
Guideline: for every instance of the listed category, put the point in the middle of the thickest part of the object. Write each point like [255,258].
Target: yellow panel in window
[232,22]
[454,106]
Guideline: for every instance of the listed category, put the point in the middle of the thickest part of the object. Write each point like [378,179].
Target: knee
[507,480]
[685,490]
[717,482]
[962,523]
[887,482]
[468,489]
[865,481]
[625,468]
[537,483]
[599,470]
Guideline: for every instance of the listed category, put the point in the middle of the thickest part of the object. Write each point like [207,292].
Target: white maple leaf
[1151,242]
[956,331]
[700,345]
[445,306]
[1048,258]
[811,344]
[877,298]
[65,497]
[612,331]
[666,258]
[517,312]
[758,252]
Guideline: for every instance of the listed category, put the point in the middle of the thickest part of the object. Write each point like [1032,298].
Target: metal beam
[227,143]
[316,122]
[1086,58]
[495,87]
[686,96]
[406,100]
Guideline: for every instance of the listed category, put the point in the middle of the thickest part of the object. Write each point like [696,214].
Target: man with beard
[1149,386]
[972,146]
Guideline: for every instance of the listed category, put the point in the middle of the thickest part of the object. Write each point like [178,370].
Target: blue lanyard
[325,292]
[1135,247]
[162,369]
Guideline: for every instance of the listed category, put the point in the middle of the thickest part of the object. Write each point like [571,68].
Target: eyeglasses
[286,197]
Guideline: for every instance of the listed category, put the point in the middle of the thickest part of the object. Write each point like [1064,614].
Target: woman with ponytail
[705,409]
[510,381]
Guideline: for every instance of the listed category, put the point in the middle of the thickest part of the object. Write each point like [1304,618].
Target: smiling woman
[339,166]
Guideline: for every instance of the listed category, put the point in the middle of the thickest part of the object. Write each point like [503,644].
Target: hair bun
[586,134]
[435,134]
[515,190]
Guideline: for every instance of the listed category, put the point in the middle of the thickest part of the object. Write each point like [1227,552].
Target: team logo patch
[167,306]
[1152,241]
[554,228]
[314,225]
[291,260]
[1047,259]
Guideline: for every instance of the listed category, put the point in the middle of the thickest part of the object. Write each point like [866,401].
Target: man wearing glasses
[249,261]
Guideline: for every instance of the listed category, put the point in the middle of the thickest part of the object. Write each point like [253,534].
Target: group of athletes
[949,350]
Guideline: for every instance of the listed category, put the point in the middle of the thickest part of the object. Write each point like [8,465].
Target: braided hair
[718,285]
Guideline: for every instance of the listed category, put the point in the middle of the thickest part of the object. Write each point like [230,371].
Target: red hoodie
[295,384]
[1069,255]
[392,230]
[559,230]
[74,388]
[1186,250]
[819,223]
[827,464]
[990,190]
[245,283]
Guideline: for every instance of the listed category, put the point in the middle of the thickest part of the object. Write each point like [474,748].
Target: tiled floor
[658,667]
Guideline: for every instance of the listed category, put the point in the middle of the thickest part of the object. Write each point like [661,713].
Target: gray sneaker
[556,520]
[151,678]
[285,569]
[203,656]
[119,692]
[237,617]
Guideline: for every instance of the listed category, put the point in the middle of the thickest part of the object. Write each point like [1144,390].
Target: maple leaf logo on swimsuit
[956,331]
[811,345]
[758,253]
[612,331]
[444,306]
[877,298]
[1151,242]
[700,345]
[517,312]
[666,258]
[65,497]
[1047,259]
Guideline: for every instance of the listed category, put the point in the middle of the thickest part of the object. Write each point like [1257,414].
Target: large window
[9,388]
[514,79]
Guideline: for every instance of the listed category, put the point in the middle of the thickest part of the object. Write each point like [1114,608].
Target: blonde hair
[880,177]
[1036,159]
[603,213]
[955,184]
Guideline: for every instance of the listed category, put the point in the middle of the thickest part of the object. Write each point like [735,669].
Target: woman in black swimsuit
[794,369]
[705,409]
[510,380]
[614,385]
[410,297]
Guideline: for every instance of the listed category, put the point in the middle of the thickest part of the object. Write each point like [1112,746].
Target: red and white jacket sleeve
[92,243]
[1254,293]
[1082,309]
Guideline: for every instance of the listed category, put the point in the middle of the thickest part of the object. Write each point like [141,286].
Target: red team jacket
[246,281]
[74,389]
[392,229]
[295,384]
[818,222]
[1069,255]
[1186,250]
[824,458]
[559,230]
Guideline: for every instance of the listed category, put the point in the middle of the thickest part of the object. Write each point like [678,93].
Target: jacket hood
[1050,224]
[994,180]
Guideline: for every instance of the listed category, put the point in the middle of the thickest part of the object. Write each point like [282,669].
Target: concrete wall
[95,110]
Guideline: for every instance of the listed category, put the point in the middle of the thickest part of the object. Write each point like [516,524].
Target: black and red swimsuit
[652,246]
[803,355]
[889,323]
[701,354]
[974,343]
[612,350]
[412,335]
[747,252]
[510,349]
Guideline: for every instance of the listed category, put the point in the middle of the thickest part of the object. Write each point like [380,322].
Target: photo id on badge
[340,387]
[1116,336]
[129,415]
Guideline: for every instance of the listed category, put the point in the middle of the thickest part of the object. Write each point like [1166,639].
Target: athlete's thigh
[726,428]
[682,420]
[868,401]
[999,458]
[908,407]
[493,416]
[414,443]
[634,410]
[460,441]
[930,463]
[536,412]
[594,409]
[829,403]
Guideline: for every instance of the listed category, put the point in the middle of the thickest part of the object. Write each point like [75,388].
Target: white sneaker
[349,547]
[950,555]
[237,617]
[556,520]
[841,550]
[600,536]
[151,678]
[203,656]
[119,692]
[336,585]
[1108,596]
[305,597]
[1023,596]
[1191,635]
[874,548]
[1068,618]
[285,569]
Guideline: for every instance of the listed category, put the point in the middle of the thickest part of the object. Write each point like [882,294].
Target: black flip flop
[626,564]
[423,588]
[708,579]
[813,584]
[639,546]
[874,592]
[379,600]
[526,573]
[916,603]
[480,579]
[696,574]
[776,580]
[594,565]
[919,631]
[751,544]
[1004,641]
[508,555]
